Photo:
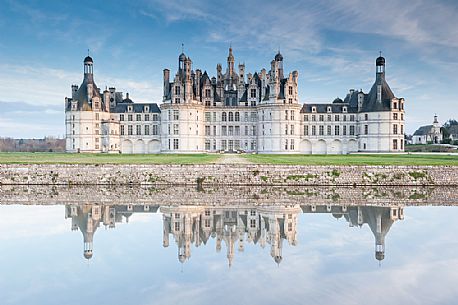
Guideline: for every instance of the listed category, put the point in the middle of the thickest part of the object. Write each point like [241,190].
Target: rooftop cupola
[380,67]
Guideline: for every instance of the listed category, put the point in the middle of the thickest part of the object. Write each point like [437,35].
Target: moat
[269,245]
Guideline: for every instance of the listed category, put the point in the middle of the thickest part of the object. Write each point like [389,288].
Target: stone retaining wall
[226,174]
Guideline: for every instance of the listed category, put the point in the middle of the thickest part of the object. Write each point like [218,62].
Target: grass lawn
[356,159]
[63,158]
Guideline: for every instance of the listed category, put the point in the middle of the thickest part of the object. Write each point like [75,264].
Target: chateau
[234,111]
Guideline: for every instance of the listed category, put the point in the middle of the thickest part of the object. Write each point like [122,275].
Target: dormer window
[329,109]
[146,109]
[314,109]
[395,105]
[344,109]
[129,108]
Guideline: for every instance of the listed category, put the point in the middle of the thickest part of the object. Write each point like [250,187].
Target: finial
[182,47]
[87,52]
[380,53]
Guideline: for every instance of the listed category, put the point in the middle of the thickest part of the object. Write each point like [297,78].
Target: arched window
[224,117]
[237,116]
[231,116]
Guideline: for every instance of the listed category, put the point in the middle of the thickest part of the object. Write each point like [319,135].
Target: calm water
[150,254]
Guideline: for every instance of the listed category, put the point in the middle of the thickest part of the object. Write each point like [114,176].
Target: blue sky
[333,45]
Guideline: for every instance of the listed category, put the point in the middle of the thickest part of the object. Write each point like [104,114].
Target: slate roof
[138,107]
[423,130]
[82,94]
[370,101]
[323,108]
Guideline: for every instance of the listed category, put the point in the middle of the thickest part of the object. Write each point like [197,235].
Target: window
[402,144]
[130,117]
[246,130]
[345,130]
[253,130]
[286,129]
[246,116]
[253,93]
[366,117]
[224,117]
[402,131]
[155,117]
[286,114]
[237,130]
[395,116]
[366,129]
[130,130]
[345,117]
[344,109]
[223,144]
[352,117]
[328,132]
[139,117]
[122,130]
[146,117]
[286,144]
[231,130]
[291,130]
[321,130]
[237,116]
[176,114]
[139,130]
[155,130]
[208,93]
[224,130]
[290,100]
[395,105]
[207,103]
[207,145]
[395,129]
[402,116]
[252,223]
[337,130]
[395,144]
[290,90]
[146,130]
[306,130]
[121,117]
[176,129]
[177,90]
[231,117]
[207,130]
[291,146]
[177,100]
[313,130]
[208,116]
[292,115]
[313,118]
[329,109]
[175,144]
[352,130]
[306,117]
[336,118]
[321,118]
[329,117]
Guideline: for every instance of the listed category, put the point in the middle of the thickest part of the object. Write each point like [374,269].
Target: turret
[380,75]
[88,68]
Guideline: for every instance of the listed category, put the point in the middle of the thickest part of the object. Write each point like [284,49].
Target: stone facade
[234,111]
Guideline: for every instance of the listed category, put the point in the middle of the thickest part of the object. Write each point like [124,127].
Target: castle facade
[234,111]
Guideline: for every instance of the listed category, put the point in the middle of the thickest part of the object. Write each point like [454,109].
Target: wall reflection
[266,226]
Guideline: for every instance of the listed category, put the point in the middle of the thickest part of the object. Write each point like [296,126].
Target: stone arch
[319,147]
[335,147]
[352,146]
[154,147]
[126,147]
[139,147]
[306,147]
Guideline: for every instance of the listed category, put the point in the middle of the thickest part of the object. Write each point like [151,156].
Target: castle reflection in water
[234,226]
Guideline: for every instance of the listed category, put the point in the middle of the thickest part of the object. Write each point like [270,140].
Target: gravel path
[232,159]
